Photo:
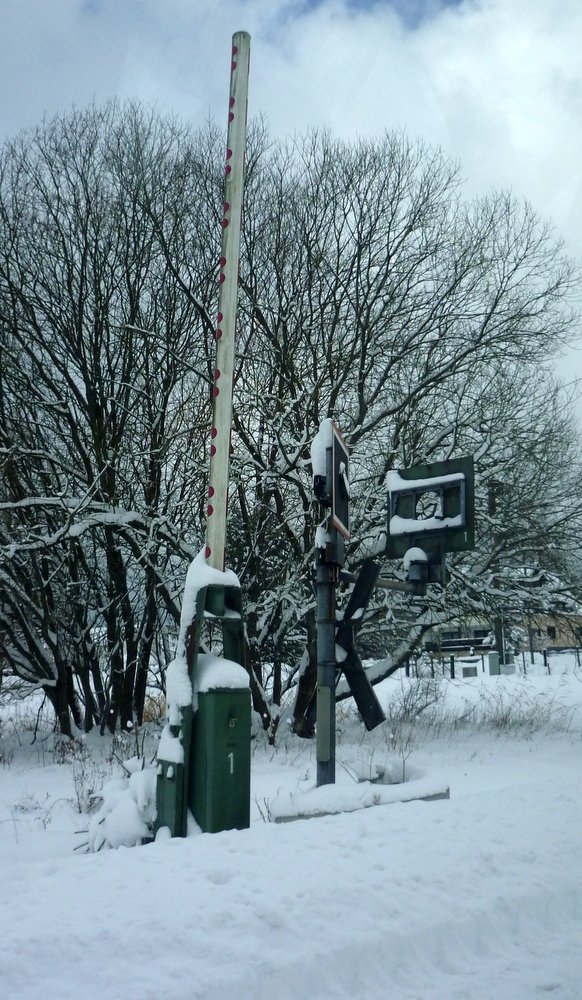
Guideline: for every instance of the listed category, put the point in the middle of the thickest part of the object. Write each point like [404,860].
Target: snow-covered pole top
[227,302]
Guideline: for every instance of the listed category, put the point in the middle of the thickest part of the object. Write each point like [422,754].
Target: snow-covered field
[477,896]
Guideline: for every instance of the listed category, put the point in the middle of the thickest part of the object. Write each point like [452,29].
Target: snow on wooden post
[222,389]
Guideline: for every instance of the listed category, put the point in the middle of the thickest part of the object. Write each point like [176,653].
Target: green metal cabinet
[219,772]
[214,781]
[493,660]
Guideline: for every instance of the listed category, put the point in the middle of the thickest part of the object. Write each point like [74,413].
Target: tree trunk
[57,695]
[145,652]
[303,712]
[260,704]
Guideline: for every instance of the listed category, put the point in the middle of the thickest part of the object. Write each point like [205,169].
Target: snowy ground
[478,896]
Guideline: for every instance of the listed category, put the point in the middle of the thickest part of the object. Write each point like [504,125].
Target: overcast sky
[496,83]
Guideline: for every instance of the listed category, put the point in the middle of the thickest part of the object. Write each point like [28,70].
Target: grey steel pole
[222,389]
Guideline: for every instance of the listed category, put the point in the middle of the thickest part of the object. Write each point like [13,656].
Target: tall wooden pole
[227,303]
[192,760]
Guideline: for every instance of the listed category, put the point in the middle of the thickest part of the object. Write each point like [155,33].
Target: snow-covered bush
[522,707]
[128,810]
[413,697]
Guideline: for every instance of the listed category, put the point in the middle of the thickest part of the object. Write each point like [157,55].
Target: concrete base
[331,800]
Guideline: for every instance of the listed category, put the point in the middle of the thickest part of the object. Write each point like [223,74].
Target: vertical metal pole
[531,642]
[326,578]
[227,303]
[500,640]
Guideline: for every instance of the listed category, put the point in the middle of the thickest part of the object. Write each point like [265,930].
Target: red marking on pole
[220,318]
[210,491]
[229,260]
[207,552]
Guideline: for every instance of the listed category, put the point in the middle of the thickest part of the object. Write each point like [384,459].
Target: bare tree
[104,383]
[424,325]
[370,291]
